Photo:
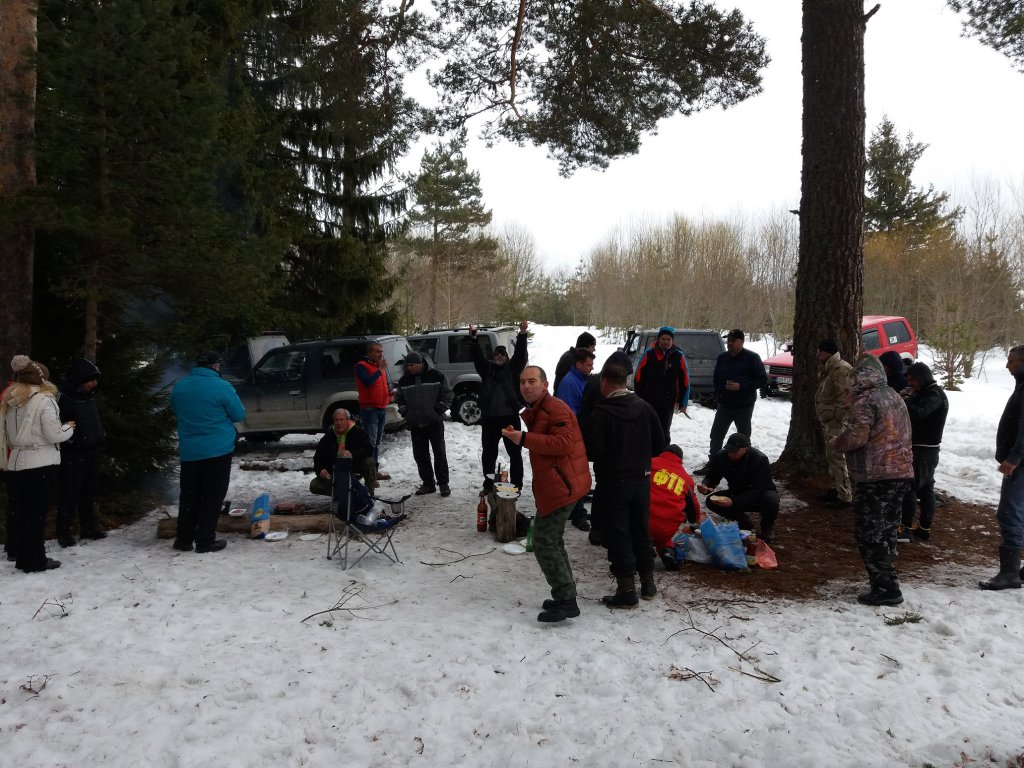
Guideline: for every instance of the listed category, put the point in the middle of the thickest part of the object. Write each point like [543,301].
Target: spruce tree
[997,23]
[448,220]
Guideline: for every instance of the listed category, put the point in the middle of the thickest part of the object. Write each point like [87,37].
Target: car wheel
[466,408]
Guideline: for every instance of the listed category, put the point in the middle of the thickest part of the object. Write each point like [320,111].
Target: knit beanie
[28,371]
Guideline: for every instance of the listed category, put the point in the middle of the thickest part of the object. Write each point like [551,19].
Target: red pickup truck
[878,334]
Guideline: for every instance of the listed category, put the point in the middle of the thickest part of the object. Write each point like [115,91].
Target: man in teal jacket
[206,407]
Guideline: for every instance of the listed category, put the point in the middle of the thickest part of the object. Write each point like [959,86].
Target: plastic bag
[724,542]
[259,517]
[691,548]
[765,555]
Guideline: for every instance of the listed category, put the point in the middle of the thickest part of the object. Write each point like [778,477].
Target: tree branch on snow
[350,592]
[741,655]
[459,559]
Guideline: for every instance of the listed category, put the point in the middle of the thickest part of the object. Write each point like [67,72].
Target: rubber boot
[647,587]
[625,594]
[1009,576]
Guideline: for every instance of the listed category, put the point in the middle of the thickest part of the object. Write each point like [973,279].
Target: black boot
[625,594]
[890,595]
[647,587]
[65,539]
[1009,576]
[559,610]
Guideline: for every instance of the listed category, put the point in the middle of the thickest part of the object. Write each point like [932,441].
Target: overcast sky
[961,98]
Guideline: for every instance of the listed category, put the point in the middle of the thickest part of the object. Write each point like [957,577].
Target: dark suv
[701,349]
[449,351]
[297,387]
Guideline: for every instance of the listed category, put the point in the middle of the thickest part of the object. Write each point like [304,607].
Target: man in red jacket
[374,396]
[672,500]
[561,476]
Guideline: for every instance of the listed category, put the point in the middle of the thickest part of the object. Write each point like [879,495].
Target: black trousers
[204,484]
[33,493]
[10,517]
[623,508]
[425,439]
[725,418]
[665,414]
[79,478]
[925,462]
[766,504]
[490,436]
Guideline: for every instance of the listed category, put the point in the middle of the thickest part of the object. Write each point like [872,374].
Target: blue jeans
[373,422]
[1010,513]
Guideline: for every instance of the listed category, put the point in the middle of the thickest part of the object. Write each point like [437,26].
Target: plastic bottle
[529,536]
[481,515]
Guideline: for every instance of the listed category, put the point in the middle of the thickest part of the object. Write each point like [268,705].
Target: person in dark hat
[739,376]
[567,361]
[751,488]
[662,378]
[80,456]
[207,408]
[500,403]
[423,396]
[832,403]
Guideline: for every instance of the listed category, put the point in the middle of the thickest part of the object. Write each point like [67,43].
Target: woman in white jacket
[30,431]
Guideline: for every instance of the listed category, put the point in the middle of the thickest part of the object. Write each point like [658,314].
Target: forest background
[204,171]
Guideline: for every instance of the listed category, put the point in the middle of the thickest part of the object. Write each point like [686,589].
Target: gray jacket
[423,398]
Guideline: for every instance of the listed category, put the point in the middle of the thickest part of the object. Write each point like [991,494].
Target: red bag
[765,555]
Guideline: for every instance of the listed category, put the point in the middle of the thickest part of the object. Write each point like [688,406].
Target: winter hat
[620,358]
[585,340]
[736,441]
[673,448]
[735,333]
[501,349]
[28,371]
[208,358]
[666,329]
[413,358]
[828,345]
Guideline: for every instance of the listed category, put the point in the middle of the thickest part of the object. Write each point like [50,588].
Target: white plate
[239,512]
[309,537]
[514,549]
[718,499]
[507,495]
[276,536]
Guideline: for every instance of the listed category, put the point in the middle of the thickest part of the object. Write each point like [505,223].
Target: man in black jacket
[500,403]
[662,378]
[1010,454]
[346,439]
[927,405]
[80,456]
[568,359]
[739,375]
[423,396]
[621,436]
[751,488]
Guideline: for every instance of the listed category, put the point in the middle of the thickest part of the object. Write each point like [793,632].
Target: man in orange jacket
[561,476]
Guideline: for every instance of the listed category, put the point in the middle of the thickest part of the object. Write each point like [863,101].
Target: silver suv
[449,350]
[296,388]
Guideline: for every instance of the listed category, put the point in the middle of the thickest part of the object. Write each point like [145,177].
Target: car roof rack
[465,328]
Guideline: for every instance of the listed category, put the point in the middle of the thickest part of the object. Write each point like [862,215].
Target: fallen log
[313,523]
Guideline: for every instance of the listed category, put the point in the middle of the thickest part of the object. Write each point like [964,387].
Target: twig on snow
[348,594]
[741,655]
[685,673]
[459,559]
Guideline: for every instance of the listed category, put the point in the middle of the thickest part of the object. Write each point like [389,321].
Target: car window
[869,339]
[896,331]
[281,366]
[338,361]
[425,346]
[458,349]
[633,346]
[699,345]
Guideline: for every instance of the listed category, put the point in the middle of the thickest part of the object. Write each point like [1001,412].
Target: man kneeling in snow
[346,439]
[672,500]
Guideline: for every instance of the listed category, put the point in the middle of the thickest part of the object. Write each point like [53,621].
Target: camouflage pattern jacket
[830,401]
[876,438]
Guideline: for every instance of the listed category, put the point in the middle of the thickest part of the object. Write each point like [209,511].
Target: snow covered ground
[140,655]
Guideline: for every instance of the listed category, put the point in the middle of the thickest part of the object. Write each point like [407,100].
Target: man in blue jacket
[206,407]
[739,375]
[570,392]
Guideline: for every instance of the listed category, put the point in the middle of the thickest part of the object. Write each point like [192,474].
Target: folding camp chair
[344,528]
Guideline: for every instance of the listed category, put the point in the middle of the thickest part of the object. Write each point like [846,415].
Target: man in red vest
[374,396]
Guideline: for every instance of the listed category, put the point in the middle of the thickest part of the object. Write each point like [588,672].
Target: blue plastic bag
[691,548]
[724,542]
[259,517]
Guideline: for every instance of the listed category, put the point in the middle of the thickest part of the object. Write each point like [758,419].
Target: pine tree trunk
[17,173]
[830,272]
